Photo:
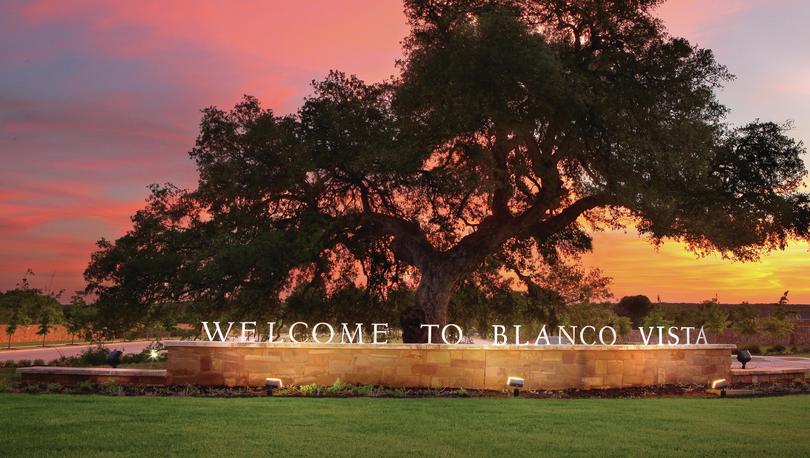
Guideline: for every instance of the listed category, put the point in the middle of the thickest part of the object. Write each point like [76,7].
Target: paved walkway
[773,362]
[50,353]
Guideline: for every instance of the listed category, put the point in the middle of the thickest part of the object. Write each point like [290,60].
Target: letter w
[218,331]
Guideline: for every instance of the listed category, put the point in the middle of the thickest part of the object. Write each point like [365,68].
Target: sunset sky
[100,99]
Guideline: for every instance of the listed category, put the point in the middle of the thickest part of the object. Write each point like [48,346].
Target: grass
[61,425]
[38,344]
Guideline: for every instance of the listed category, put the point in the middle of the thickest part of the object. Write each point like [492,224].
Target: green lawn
[38,343]
[64,425]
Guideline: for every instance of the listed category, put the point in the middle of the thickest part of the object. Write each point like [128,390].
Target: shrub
[308,390]
[755,348]
[38,362]
[364,390]
[31,388]
[145,355]
[745,320]
[777,350]
[110,387]
[84,387]
[191,390]
[656,317]
[337,387]
[54,387]
[93,356]
[713,318]
[778,326]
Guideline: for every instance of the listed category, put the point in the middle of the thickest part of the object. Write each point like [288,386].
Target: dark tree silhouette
[635,307]
[512,131]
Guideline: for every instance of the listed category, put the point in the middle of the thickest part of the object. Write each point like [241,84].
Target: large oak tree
[513,130]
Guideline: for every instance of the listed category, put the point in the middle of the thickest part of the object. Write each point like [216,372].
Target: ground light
[271,384]
[743,356]
[720,384]
[154,354]
[516,383]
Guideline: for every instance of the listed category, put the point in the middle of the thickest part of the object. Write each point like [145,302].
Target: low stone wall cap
[768,370]
[400,346]
[60,370]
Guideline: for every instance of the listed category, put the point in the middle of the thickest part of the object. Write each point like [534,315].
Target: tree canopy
[25,305]
[513,130]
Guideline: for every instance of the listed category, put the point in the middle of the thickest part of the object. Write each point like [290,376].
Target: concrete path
[50,353]
[773,362]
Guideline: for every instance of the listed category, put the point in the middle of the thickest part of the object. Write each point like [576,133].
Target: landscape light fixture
[154,354]
[720,384]
[743,356]
[114,358]
[516,383]
[273,384]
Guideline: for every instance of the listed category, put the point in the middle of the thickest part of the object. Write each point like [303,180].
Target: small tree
[712,317]
[635,307]
[17,305]
[656,317]
[18,317]
[48,314]
[26,304]
[623,326]
[596,315]
[80,317]
[781,322]
[745,320]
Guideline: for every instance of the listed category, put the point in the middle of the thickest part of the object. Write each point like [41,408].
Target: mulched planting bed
[340,390]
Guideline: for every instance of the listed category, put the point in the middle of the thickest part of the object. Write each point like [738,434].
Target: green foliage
[93,356]
[623,326]
[79,317]
[781,322]
[778,326]
[754,348]
[657,317]
[597,315]
[712,317]
[308,390]
[25,305]
[745,320]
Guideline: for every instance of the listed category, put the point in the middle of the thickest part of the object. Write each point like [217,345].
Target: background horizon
[98,100]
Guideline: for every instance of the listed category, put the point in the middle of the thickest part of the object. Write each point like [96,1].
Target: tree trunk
[430,307]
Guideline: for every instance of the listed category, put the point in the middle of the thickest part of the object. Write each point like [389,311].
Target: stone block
[423,369]
[439,357]
[569,357]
